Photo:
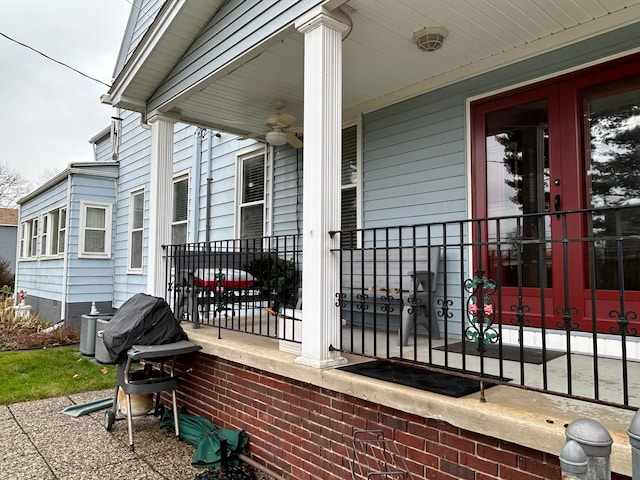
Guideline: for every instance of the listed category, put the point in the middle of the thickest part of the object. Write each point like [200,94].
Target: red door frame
[567,162]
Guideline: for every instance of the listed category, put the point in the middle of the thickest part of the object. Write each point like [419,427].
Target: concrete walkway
[38,442]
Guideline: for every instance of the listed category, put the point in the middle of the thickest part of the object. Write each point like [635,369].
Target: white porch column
[160,206]
[322,192]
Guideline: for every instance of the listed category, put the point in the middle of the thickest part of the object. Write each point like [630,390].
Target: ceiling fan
[281,129]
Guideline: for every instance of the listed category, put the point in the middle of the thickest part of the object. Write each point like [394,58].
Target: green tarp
[205,436]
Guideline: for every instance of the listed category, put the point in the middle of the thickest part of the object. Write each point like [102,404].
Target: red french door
[540,153]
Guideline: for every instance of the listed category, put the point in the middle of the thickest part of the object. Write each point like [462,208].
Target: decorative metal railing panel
[248,285]
[552,309]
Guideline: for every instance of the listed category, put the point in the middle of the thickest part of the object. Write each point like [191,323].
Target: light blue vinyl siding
[40,277]
[135,157]
[87,280]
[236,27]
[287,191]
[414,163]
[103,149]
[415,152]
[223,188]
[135,176]
[143,13]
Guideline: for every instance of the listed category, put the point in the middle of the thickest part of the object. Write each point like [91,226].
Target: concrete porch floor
[581,366]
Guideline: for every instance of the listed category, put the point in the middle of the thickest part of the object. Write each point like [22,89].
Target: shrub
[7,279]
[276,276]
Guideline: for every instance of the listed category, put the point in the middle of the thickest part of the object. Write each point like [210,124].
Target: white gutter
[74,169]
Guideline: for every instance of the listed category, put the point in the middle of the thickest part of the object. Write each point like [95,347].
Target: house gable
[237,28]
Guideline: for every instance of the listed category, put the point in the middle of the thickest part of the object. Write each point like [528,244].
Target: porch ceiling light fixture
[430,39]
[276,137]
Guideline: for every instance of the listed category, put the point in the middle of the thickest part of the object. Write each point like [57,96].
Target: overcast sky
[50,112]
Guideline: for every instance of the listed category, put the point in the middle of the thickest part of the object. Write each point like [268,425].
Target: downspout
[143,121]
[209,184]
[197,169]
[65,262]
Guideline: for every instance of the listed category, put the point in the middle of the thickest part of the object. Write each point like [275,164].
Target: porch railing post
[634,440]
[596,442]
[573,461]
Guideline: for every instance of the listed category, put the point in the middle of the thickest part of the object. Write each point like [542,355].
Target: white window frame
[62,229]
[133,229]
[240,205]
[54,234]
[29,234]
[107,207]
[179,223]
[44,236]
[355,183]
[24,228]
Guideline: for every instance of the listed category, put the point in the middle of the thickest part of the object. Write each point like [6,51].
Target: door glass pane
[614,173]
[516,143]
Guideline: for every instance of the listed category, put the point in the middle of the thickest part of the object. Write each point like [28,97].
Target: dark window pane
[136,249]
[94,241]
[179,234]
[253,180]
[180,200]
[251,221]
[349,156]
[138,210]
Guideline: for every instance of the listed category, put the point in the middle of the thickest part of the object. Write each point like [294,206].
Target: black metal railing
[247,285]
[546,302]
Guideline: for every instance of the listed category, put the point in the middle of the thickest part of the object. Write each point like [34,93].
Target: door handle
[556,205]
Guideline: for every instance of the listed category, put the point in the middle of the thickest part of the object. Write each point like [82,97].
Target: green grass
[51,372]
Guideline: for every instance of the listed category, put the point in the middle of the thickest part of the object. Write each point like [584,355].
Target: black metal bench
[391,288]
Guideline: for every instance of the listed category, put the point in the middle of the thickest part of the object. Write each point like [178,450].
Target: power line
[54,60]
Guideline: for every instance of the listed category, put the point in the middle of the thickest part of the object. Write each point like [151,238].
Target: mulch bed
[29,338]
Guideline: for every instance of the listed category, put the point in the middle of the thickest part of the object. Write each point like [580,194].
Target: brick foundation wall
[305,432]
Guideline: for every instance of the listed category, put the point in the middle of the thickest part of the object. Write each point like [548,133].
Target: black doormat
[416,377]
[509,352]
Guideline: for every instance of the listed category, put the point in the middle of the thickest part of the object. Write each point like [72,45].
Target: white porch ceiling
[381,63]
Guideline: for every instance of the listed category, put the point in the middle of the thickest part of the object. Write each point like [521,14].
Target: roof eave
[137,81]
